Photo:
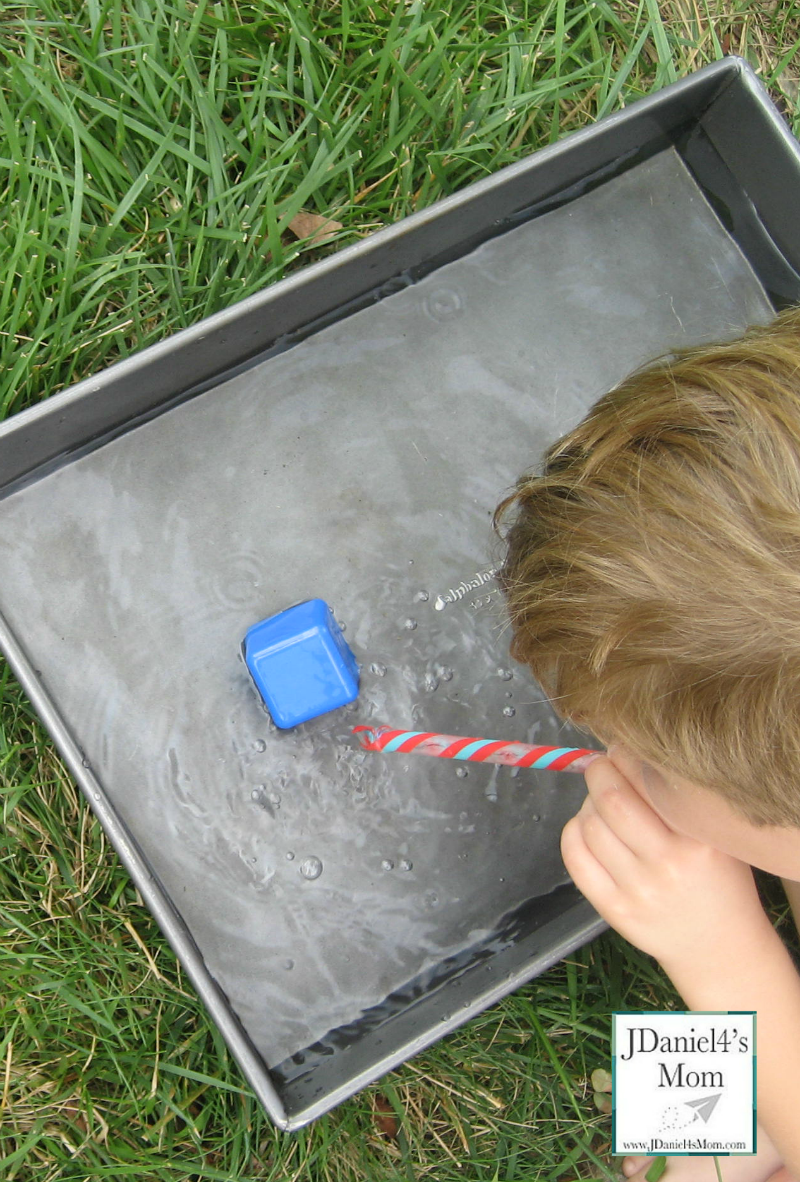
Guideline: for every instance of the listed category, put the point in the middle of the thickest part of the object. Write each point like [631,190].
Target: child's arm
[697,911]
[757,974]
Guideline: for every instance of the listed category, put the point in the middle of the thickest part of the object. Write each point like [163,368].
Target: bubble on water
[266,801]
[409,624]
[259,745]
[439,604]
[462,773]
[502,880]
[421,597]
[311,868]
[509,711]
[378,669]
[442,303]
[504,674]
[509,694]
[290,855]
[406,864]
[430,683]
[535,817]
[387,864]
[443,672]
[288,964]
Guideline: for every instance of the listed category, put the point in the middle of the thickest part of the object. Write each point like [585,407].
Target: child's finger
[607,847]
[590,876]
[625,812]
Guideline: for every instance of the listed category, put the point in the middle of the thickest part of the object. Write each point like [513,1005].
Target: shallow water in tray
[361,466]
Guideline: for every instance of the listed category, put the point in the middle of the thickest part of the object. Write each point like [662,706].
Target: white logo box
[684,1083]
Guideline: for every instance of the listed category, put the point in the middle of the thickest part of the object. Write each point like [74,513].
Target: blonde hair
[652,571]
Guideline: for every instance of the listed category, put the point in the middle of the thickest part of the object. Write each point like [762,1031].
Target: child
[653,583]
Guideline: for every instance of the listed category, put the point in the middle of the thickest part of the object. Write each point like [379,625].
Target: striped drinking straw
[556,759]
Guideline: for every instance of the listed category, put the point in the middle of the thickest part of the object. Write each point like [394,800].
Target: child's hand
[675,898]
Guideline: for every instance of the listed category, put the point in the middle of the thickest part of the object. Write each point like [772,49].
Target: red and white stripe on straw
[555,759]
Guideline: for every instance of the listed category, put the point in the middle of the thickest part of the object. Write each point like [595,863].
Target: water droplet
[439,604]
[85,762]
[253,860]
[406,864]
[515,772]
[430,899]
[535,817]
[256,793]
[502,880]
[444,672]
[378,669]
[311,868]
[442,303]
[421,597]
[409,624]
[509,711]
[430,683]
[288,964]
[462,773]
[97,795]
[505,674]
[290,855]
[275,798]
[260,745]
[509,694]
[387,864]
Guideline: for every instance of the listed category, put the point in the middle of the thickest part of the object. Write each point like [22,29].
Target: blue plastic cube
[301,663]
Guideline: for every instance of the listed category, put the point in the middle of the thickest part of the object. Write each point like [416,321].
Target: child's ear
[651,777]
[627,763]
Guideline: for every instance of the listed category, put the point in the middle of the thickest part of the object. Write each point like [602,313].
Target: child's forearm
[755,972]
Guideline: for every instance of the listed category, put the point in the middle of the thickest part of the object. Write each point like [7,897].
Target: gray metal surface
[361,465]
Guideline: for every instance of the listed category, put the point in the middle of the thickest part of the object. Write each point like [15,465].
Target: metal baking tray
[345,434]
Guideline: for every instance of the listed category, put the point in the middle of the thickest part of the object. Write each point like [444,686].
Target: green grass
[153,155]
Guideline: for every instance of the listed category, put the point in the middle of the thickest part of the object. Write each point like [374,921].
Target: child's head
[653,570]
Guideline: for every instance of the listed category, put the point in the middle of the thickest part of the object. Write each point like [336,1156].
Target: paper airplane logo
[704,1107]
